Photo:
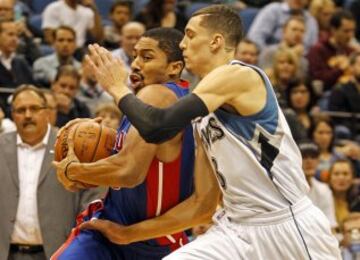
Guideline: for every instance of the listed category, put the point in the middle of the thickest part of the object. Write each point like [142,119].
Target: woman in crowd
[322,10]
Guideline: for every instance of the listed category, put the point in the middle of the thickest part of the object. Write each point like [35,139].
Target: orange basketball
[92,142]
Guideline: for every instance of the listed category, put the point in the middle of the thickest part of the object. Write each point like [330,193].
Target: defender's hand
[116,233]
[109,71]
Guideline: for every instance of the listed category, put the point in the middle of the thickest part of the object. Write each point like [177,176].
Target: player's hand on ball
[75,121]
[110,72]
[63,167]
[114,232]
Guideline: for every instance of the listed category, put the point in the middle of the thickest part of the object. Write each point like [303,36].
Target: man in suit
[37,213]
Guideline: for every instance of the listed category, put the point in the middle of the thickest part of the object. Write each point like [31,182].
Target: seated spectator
[299,98]
[51,105]
[247,52]
[6,125]
[81,15]
[329,59]
[292,39]
[161,13]
[320,193]
[131,33]
[14,69]
[120,14]
[345,191]
[110,114]
[285,67]
[45,68]
[65,86]
[322,10]
[322,134]
[267,26]
[37,212]
[91,93]
[26,46]
[346,97]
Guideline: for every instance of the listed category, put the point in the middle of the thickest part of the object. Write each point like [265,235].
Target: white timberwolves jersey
[256,160]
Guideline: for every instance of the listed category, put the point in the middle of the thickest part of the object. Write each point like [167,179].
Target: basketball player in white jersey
[266,213]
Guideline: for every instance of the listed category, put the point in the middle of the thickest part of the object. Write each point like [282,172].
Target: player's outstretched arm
[158,125]
[129,167]
[195,210]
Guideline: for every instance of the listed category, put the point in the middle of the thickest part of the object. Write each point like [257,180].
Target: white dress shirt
[6,61]
[27,228]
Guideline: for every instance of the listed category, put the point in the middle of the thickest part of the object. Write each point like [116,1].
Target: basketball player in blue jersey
[146,179]
[266,213]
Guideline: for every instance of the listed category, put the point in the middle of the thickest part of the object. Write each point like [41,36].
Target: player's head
[211,34]
[157,57]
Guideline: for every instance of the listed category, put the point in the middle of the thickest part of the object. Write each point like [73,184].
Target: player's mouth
[137,80]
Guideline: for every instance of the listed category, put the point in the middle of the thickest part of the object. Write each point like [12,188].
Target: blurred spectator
[110,114]
[292,39]
[131,33]
[14,70]
[268,24]
[6,125]
[329,59]
[91,93]
[322,133]
[51,105]
[285,67]
[45,68]
[345,191]
[355,9]
[81,15]
[26,45]
[322,10]
[346,97]
[247,51]
[38,213]
[162,13]
[300,99]
[320,193]
[65,86]
[120,14]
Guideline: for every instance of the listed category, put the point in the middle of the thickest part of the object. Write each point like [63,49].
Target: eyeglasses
[32,109]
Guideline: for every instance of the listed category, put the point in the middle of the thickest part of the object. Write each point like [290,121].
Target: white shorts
[272,235]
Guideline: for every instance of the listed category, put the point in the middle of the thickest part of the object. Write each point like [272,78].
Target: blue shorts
[91,245]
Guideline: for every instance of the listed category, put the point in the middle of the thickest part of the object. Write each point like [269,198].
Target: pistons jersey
[166,185]
[255,159]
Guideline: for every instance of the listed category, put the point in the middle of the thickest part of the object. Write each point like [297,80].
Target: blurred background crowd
[309,49]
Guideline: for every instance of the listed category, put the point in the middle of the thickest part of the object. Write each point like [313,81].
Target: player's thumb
[55,164]
[94,224]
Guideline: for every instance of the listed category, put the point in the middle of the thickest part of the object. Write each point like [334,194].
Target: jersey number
[268,153]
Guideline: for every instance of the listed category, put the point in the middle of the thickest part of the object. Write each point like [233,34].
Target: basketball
[92,141]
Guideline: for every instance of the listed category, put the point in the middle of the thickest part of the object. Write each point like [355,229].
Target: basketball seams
[97,143]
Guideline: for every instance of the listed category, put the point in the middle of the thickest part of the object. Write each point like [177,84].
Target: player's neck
[216,61]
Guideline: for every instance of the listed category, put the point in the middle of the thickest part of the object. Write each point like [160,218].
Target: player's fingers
[98,119]
[105,56]
[70,142]
[94,224]
[95,55]
[55,164]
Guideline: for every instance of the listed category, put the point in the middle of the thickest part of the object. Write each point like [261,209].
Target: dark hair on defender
[224,20]
[169,40]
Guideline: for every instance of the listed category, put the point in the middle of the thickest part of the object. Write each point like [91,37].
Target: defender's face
[150,65]
[196,46]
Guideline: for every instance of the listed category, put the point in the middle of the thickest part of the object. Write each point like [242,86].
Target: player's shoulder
[157,95]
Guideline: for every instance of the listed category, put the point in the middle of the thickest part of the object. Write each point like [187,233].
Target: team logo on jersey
[211,133]
[219,175]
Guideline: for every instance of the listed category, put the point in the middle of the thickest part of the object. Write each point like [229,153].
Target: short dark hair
[222,19]
[294,18]
[65,28]
[28,87]
[67,70]
[123,3]
[248,41]
[169,40]
[338,16]
[309,148]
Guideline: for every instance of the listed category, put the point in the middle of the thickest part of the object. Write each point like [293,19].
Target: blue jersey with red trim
[166,184]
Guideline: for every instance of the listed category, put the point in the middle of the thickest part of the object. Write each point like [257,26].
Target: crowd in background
[309,49]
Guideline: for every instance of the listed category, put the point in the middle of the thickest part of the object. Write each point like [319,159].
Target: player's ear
[175,68]
[217,41]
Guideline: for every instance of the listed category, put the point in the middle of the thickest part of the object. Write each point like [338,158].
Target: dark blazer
[20,73]
[57,208]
